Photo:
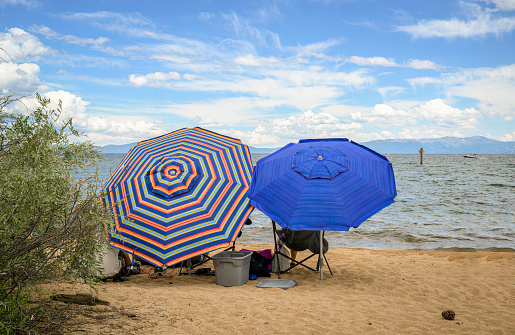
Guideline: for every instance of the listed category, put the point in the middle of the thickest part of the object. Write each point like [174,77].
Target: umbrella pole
[321,256]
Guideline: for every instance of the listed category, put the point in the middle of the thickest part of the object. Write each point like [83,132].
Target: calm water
[448,203]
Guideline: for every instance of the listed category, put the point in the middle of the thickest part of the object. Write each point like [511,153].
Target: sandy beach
[372,292]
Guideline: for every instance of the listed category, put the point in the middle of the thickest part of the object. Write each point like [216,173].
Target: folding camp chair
[299,241]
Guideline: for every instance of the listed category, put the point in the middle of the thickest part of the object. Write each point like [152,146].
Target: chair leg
[326,262]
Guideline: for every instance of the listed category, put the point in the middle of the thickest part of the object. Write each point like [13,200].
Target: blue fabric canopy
[322,184]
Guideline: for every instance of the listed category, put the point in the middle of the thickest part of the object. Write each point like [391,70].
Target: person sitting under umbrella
[300,240]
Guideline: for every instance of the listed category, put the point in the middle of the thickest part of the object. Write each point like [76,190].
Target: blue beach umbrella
[179,195]
[322,184]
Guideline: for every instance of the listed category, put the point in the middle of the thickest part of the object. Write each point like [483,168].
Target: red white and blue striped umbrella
[179,195]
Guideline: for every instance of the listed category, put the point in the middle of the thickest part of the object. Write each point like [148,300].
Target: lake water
[448,203]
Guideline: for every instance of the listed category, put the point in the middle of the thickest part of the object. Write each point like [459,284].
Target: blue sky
[266,72]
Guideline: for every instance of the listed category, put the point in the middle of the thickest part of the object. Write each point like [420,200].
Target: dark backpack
[259,265]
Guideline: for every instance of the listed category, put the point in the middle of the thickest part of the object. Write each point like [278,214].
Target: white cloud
[229,111]
[505,5]
[100,129]
[245,29]
[279,131]
[422,81]
[206,16]
[390,90]
[317,49]
[133,24]
[20,46]
[188,76]
[135,126]
[304,89]
[96,43]
[26,3]
[171,58]
[373,61]
[383,115]
[251,60]
[442,114]
[310,125]
[479,23]
[419,64]
[432,118]
[492,87]
[508,137]
[19,78]
[72,105]
[155,79]
[436,112]
[340,110]
[257,137]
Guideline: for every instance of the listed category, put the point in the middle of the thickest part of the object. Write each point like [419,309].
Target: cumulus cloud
[136,127]
[100,129]
[156,79]
[383,115]
[442,114]
[281,130]
[258,137]
[21,46]
[436,112]
[310,125]
[508,137]
[432,118]
[19,78]
[72,105]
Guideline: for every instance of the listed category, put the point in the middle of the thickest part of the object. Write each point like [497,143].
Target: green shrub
[51,218]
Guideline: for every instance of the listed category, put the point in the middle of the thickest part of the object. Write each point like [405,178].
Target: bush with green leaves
[51,217]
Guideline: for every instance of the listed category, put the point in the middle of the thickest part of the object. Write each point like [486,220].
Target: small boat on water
[470,156]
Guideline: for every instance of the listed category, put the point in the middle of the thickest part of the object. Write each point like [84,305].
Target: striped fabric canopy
[179,195]
[322,184]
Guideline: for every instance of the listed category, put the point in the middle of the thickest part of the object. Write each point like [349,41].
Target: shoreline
[371,291]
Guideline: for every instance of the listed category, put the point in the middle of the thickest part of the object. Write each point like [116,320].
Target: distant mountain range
[444,145]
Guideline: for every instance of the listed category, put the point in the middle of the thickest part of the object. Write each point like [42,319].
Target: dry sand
[371,292]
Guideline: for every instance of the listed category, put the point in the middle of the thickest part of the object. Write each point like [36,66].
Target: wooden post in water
[421,151]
